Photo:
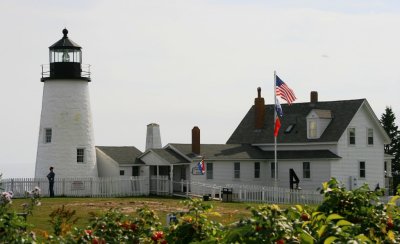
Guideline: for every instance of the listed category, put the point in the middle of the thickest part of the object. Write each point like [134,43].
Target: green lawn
[229,212]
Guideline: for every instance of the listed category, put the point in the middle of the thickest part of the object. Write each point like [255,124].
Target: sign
[196,171]
[77,185]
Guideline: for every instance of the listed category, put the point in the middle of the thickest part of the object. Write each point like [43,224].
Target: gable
[295,114]
[363,120]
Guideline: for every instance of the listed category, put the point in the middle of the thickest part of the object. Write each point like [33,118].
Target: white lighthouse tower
[66,139]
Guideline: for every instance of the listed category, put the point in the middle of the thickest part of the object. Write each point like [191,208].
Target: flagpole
[275,156]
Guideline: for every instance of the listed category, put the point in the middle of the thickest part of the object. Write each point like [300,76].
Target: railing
[203,189]
[85,70]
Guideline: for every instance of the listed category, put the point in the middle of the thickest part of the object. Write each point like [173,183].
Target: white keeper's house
[317,140]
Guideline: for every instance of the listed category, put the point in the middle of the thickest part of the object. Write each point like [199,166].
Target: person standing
[51,176]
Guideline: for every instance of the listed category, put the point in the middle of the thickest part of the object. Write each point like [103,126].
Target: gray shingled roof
[171,156]
[248,152]
[122,155]
[222,151]
[342,112]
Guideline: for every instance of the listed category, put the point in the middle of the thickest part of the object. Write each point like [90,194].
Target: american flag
[284,91]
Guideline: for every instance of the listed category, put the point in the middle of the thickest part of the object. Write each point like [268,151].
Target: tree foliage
[388,122]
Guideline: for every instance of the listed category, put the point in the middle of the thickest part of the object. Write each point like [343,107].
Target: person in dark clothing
[51,176]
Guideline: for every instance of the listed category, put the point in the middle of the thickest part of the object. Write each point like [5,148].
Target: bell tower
[66,139]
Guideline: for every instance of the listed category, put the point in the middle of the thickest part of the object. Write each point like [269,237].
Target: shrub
[194,225]
[12,225]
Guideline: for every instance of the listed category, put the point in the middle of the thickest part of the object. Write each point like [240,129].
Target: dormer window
[312,129]
[317,121]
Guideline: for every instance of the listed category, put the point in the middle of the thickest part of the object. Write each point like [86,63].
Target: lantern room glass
[65,56]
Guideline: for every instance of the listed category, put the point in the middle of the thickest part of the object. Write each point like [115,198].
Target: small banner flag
[278,108]
[277,126]
[201,167]
[284,91]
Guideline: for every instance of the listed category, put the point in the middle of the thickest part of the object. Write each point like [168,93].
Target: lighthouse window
[48,135]
[80,155]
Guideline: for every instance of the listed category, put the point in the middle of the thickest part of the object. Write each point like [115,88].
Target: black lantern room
[65,61]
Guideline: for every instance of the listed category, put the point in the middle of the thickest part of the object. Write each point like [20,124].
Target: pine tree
[388,122]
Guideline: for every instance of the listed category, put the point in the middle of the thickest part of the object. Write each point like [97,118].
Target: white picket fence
[159,185]
[251,193]
[271,194]
[81,187]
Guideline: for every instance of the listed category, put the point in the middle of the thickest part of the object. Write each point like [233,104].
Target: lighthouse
[66,139]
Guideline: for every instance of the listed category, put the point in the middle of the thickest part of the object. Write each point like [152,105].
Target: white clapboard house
[317,139]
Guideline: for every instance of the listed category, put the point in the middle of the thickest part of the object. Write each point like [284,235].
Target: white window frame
[306,170]
[210,171]
[370,130]
[48,138]
[349,132]
[362,170]
[236,170]
[312,129]
[79,156]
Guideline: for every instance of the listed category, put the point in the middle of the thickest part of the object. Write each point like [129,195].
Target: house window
[122,172]
[236,170]
[273,170]
[312,129]
[370,136]
[209,171]
[48,134]
[80,155]
[385,168]
[155,170]
[257,170]
[163,170]
[362,169]
[352,136]
[306,170]
[135,171]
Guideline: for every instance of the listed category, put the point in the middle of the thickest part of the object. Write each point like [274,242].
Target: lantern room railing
[85,71]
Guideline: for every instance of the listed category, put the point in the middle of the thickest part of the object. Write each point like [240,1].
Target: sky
[186,63]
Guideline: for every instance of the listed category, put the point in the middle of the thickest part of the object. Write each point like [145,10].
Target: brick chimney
[196,140]
[313,97]
[259,105]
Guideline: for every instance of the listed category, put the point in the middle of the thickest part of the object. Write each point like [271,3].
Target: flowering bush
[115,227]
[34,197]
[268,224]
[62,220]
[343,217]
[194,225]
[12,225]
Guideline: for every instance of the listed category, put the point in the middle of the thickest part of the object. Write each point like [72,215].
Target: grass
[229,212]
